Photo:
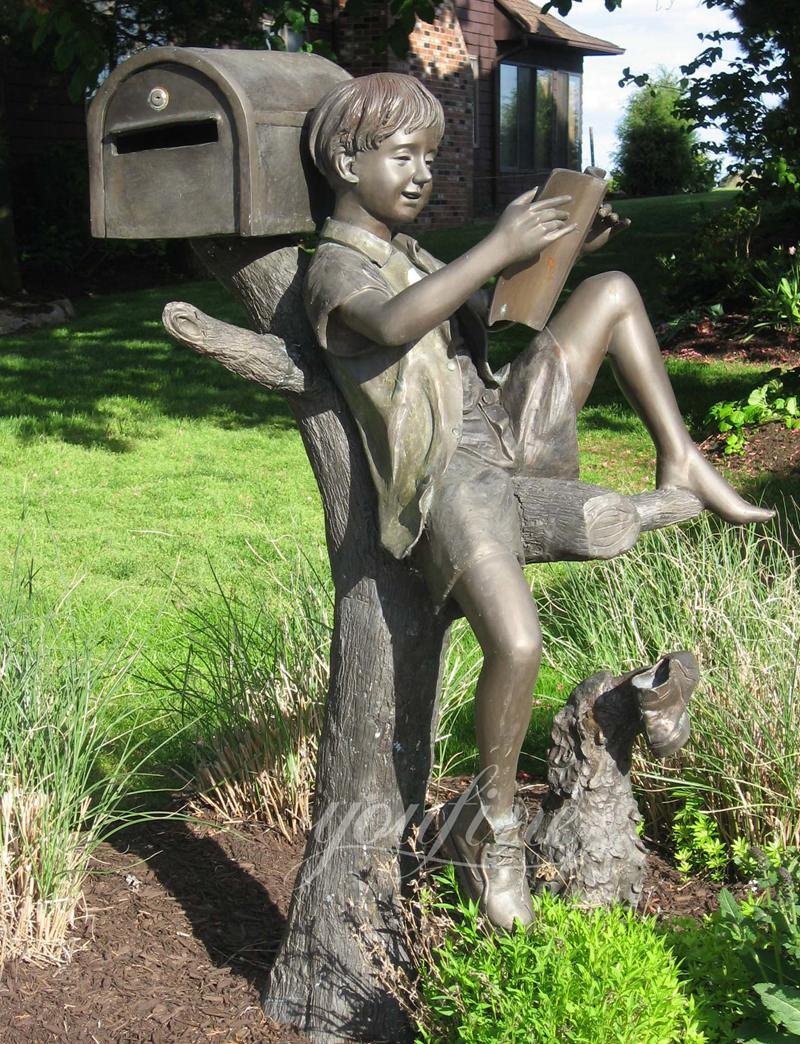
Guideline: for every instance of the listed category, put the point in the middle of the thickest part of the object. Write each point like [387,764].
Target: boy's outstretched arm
[523,229]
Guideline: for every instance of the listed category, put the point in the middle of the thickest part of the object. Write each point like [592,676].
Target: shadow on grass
[104,380]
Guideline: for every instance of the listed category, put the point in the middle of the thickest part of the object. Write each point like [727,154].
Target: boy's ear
[343,164]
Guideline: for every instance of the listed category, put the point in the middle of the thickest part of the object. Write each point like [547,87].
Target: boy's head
[359,114]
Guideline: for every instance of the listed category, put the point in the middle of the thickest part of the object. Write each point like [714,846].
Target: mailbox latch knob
[158,98]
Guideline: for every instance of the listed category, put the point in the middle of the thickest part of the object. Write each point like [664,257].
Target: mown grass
[128,462]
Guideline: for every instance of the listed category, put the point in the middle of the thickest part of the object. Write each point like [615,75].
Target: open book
[527,291]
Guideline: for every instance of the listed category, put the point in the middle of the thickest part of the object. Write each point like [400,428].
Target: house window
[574,120]
[540,118]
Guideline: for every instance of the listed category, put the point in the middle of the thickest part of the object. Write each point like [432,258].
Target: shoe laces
[504,852]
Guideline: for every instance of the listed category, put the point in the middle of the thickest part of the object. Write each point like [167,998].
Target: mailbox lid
[172,169]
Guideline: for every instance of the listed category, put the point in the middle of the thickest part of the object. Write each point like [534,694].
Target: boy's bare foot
[695,473]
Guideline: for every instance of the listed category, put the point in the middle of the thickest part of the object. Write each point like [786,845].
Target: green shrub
[729,594]
[698,848]
[714,262]
[773,399]
[657,153]
[575,976]
[743,962]
[723,256]
[776,290]
[712,973]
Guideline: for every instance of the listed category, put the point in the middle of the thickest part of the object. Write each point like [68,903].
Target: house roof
[550,29]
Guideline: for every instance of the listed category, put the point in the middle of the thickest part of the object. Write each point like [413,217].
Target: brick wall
[438,56]
[477,18]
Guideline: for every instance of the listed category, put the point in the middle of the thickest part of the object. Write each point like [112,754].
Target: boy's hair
[359,114]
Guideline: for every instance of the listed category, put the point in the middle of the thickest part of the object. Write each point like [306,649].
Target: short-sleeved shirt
[442,436]
[408,400]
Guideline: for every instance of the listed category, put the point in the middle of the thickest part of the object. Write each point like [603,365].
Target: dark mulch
[771,448]
[183,921]
[732,338]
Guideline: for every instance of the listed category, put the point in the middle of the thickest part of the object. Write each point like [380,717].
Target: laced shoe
[489,860]
[663,693]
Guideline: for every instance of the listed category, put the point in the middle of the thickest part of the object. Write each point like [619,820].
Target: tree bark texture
[346,917]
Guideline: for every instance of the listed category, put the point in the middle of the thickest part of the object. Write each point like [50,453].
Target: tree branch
[261,358]
[564,520]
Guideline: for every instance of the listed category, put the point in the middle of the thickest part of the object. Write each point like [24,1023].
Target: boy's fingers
[527,197]
[555,201]
[552,215]
[557,233]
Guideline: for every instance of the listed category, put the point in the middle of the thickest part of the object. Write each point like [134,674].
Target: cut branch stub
[261,358]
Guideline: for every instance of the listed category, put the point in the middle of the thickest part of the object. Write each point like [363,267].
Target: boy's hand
[606,224]
[525,227]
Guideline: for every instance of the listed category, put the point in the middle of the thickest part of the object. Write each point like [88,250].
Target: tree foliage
[658,153]
[88,38]
[755,100]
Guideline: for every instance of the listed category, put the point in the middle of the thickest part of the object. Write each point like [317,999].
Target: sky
[654,33]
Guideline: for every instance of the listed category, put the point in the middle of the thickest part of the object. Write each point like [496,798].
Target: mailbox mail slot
[189,141]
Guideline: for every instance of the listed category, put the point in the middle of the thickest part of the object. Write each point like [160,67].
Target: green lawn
[133,467]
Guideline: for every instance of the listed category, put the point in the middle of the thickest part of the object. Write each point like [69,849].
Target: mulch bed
[182,923]
[731,338]
[771,448]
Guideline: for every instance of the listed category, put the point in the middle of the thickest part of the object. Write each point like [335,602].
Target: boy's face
[394,181]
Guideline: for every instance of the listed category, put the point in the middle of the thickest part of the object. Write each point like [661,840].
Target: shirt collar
[373,247]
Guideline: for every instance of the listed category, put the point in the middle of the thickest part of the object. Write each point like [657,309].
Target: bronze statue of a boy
[404,338]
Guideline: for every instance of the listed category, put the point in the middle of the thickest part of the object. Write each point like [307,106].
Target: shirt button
[486,398]
[454,431]
[451,365]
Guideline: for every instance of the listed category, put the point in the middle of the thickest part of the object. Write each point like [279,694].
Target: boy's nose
[422,175]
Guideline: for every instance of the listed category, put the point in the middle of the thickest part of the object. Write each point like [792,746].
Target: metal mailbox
[190,141]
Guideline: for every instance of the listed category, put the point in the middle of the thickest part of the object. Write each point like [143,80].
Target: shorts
[473,513]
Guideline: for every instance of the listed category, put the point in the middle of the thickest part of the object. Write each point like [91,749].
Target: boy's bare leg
[483,831]
[497,602]
[605,315]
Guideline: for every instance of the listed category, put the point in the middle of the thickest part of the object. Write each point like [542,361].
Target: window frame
[561,149]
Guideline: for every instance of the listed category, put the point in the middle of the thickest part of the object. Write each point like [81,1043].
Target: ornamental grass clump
[66,748]
[249,695]
[730,595]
